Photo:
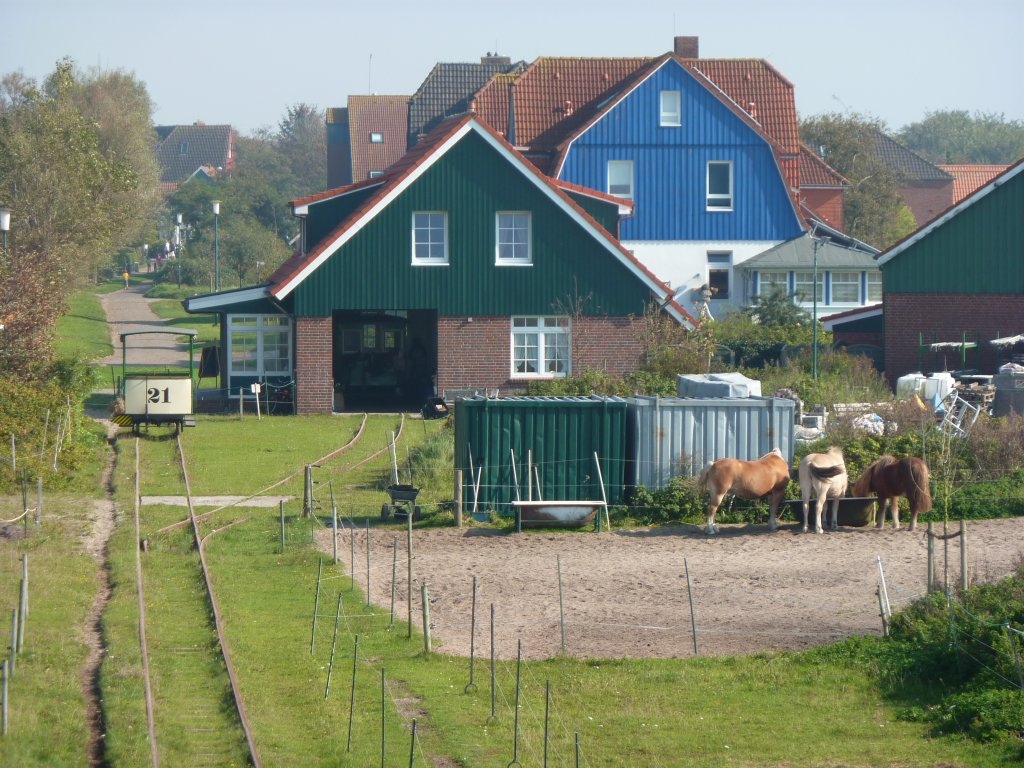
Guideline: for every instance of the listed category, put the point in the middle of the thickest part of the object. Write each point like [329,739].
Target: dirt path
[130,311]
[625,593]
[95,544]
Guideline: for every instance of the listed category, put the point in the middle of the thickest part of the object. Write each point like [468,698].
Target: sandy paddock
[625,592]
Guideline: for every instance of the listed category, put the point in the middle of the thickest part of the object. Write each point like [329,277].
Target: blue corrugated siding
[670,165]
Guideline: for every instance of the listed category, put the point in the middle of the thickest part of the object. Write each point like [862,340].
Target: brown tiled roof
[406,166]
[387,115]
[185,148]
[906,163]
[815,172]
[968,177]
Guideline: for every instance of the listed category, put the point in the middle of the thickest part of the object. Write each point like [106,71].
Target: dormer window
[183,148]
[376,137]
[671,109]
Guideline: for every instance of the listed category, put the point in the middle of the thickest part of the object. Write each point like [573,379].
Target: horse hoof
[818,530]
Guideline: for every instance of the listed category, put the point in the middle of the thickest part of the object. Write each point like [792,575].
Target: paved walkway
[130,311]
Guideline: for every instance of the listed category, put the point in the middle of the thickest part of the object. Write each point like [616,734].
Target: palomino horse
[825,475]
[891,478]
[748,480]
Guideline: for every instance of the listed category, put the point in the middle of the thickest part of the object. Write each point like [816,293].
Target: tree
[956,136]
[70,197]
[302,139]
[874,211]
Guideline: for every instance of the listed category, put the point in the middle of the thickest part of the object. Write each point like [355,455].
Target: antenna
[369,75]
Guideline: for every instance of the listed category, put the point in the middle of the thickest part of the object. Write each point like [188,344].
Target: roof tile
[969,177]
[185,148]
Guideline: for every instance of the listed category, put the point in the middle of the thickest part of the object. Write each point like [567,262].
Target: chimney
[687,47]
[494,58]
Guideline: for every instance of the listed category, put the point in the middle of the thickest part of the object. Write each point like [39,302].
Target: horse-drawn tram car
[157,398]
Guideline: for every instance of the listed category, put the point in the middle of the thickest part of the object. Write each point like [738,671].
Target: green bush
[682,501]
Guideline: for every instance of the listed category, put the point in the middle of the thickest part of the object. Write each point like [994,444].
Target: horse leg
[833,524]
[880,503]
[713,503]
[894,502]
[913,517]
[806,499]
[774,501]
[819,505]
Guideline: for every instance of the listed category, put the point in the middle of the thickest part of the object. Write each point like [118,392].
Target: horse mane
[918,493]
[865,483]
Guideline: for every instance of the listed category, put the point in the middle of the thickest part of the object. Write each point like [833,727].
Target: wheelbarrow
[403,502]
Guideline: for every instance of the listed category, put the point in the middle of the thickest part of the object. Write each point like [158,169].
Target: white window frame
[670,115]
[802,280]
[374,174]
[844,279]
[256,324]
[376,137]
[525,260]
[545,330]
[621,165]
[719,197]
[766,288]
[720,261]
[430,260]
[873,280]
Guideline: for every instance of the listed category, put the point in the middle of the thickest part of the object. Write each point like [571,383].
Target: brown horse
[891,478]
[748,480]
[824,474]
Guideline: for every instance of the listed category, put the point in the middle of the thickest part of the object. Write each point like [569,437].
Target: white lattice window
[670,108]
[540,346]
[845,288]
[620,178]
[259,345]
[513,238]
[719,185]
[804,282]
[874,286]
[769,283]
[430,237]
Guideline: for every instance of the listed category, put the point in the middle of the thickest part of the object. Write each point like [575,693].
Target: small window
[430,238]
[620,178]
[513,238]
[719,264]
[369,337]
[376,138]
[183,148]
[540,347]
[769,283]
[874,286]
[845,288]
[671,113]
[719,185]
[375,174]
[350,340]
[804,282]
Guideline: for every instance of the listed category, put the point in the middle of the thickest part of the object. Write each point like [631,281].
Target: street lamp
[818,242]
[5,225]
[216,245]
[145,254]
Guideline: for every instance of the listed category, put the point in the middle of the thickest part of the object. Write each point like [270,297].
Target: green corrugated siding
[323,217]
[604,213]
[979,251]
[562,433]
[471,182]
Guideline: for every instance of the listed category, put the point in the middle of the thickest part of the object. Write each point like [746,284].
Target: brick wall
[477,353]
[827,204]
[945,317]
[314,377]
[927,199]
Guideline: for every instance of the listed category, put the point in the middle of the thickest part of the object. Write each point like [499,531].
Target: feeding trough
[854,511]
[555,514]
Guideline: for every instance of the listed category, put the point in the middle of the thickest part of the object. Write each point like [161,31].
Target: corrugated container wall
[561,435]
[678,436]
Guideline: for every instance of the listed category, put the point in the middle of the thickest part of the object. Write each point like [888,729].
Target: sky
[243,62]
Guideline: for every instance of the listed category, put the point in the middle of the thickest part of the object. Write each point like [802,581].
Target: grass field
[83,332]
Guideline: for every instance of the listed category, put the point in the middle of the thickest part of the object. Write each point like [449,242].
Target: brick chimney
[687,47]
[494,58]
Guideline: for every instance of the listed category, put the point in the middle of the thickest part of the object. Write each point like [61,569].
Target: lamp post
[216,245]
[817,243]
[145,254]
[5,225]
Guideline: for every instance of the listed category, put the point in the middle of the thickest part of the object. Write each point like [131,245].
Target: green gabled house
[462,267]
[957,279]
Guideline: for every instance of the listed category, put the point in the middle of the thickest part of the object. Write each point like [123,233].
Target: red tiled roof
[387,115]
[568,186]
[406,166]
[815,172]
[968,177]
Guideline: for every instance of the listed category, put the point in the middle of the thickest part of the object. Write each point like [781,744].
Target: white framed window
[772,282]
[430,237]
[376,137]
[845,288]
[719,271]
[804,282]
[540,347]
[874,286]
[259,345]
[620,178]
[374,174]
[670,109]
[719,185]
[513,238]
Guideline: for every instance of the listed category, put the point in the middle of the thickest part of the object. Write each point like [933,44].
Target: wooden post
[458,498]
[14,641]
[307,492]
[426,618]
[22,614]
[240,398]
[24,578]
[963,555]
[408,540]
[931,559]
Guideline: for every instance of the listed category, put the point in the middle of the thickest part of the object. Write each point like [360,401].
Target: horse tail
[918,492]
[702,479]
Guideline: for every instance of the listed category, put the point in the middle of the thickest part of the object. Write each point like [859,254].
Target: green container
[559,434]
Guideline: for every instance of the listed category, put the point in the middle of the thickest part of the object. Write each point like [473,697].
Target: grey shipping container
[560,435]
[678,436]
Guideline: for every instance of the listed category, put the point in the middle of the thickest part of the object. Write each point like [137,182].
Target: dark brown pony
[891,478]
[769,475]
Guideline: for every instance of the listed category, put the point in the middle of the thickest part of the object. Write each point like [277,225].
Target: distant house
[925,188]
[187,151]
[461,267]
[959,278]
[365,138]
[967,177]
